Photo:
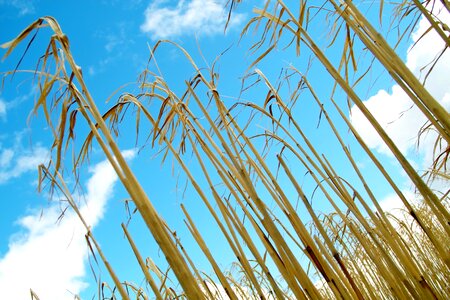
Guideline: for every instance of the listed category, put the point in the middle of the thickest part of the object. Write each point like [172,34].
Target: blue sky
[110,40]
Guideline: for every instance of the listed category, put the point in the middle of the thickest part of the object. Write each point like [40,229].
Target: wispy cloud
[116,38]
[6,156]
[25,7]
[118,43]
[48,256]
[395,111]
[15,163]
[393,205]
[205,17]
[2,109]
[7,105]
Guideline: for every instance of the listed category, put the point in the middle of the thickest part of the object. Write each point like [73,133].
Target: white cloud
[92,71]
[50,257]
[397,212]
[395,111]
[393,205]
[6,156]
[2,109]
[6,106]
[13,166]
[118,43]
[206,17]
[25,7]
[115,38]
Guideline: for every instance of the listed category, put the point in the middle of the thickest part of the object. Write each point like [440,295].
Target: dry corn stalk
[353,252]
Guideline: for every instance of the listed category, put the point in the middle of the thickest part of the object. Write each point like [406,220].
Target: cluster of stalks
[251,180]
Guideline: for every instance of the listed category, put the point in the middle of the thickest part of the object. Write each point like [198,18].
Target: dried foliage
[248,178]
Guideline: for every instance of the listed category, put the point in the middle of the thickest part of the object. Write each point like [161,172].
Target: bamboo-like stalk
[201,243]
[422,187]
[395,66]
[320,228]
[432,21]
[404,77]
[385,224]
[141,262]
[248,240]
[270,226]
[239,253]
[360,217]
[356,252]
[410,209]
[111,150]
[61,184]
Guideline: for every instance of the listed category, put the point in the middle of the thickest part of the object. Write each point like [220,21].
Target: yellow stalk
[201,243]
[141,262]
[417,180]
[111,150]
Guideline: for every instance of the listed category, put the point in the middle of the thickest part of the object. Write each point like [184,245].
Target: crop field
[288,200]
